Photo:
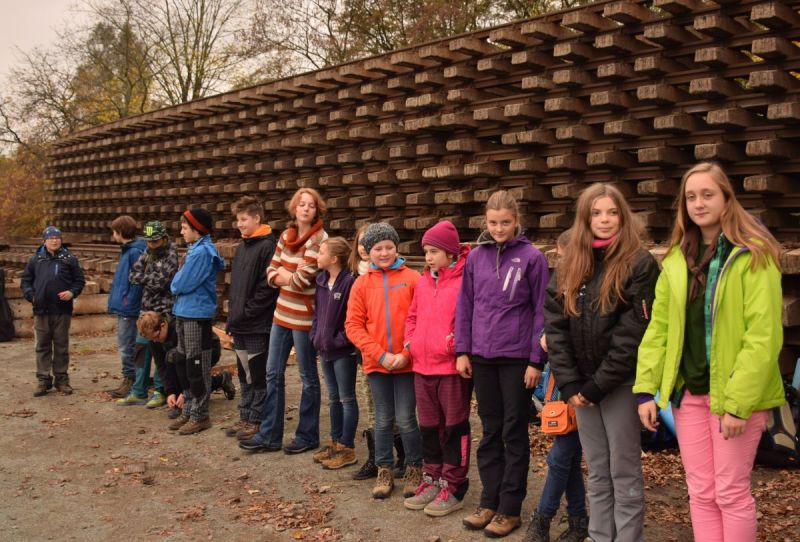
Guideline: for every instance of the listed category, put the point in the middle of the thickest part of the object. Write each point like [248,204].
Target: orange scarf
[293,243]
[262,231]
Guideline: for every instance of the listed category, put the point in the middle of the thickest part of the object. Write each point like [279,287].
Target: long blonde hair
[576,266]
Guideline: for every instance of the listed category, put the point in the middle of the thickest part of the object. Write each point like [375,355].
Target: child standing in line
[376,316]
[194,288]
[124,301]
[337,353]
[443,397]
[597,309]
[51,280]
[251,306]
[499,320]
[712,349]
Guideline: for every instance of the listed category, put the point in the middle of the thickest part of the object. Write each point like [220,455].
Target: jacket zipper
[388,312]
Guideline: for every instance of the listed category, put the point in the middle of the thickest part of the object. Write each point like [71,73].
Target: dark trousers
[564,476]
[504,451]
[52,348]
[443,408]
[251,364]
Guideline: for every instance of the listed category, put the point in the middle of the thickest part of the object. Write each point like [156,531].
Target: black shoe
[66,389]
[578,530]
[539,529]
[41,390]
[369,469]
[228,387]
[174,412]
[400,464]
[295,447]
[256,446]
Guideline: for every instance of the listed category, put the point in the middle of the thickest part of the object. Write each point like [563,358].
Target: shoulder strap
[551,384]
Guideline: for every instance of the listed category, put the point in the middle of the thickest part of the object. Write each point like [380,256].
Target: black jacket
[251,301]
[48,274]
[594,353]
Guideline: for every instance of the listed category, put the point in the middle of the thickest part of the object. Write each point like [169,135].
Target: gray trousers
[610,436]
[193,337]
[251,362]
[52,348]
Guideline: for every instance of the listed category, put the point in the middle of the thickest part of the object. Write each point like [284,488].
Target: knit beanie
[442,235]
[377,232]
[199,219]
[51,231]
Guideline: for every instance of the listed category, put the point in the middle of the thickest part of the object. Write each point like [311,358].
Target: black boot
[578,530]
[369,469]
[400,464]
[539,529]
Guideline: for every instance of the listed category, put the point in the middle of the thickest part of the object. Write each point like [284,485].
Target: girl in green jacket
[712,349]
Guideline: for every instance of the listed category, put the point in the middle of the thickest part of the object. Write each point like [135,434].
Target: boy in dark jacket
[51,280]
[125,299]
[251,302]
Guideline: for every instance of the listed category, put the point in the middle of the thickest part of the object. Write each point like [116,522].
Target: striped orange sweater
[295,307]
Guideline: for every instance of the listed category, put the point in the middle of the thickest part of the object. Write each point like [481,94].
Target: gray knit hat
[377,232]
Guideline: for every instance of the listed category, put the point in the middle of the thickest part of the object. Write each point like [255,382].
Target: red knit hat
[444,236]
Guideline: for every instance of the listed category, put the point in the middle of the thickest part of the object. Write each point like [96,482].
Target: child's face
[362,252]
[247,223]
[306,211]
[324,258]
[502,224]
[189,234]
[383,254]
[156,244]
[160,335]
[605,220]
[436,258]
[704,199]
[117,237]
[52,243]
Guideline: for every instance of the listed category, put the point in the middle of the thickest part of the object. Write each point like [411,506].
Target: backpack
[779,447]
[7,332]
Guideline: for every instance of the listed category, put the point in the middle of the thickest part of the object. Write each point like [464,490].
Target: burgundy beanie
[444,236]
[199,219]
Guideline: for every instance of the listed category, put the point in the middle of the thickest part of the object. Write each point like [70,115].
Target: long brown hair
[339,248]
[739,227]
[355,259]
[576,266]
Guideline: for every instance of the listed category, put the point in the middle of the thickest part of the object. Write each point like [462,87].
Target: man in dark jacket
[251,302]
[51,280]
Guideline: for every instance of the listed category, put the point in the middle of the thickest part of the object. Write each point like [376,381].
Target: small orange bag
[558,417]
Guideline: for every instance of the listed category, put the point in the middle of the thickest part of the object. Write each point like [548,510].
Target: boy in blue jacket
[51,280]
[194,288]
[125,299]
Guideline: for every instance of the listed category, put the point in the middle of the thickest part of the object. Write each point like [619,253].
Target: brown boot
[411,480]
[342,457]
[179,422]
[501,525]
[384,484]
[479,519]
[325,453]
[248,431]
[124,388]
[235,428]
[194,426]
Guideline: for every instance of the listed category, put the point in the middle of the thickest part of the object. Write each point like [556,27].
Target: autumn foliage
[23,206]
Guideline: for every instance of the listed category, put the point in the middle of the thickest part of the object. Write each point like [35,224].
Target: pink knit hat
[444,236]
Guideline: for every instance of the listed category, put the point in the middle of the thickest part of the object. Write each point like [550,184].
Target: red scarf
[293,243]
[603,243]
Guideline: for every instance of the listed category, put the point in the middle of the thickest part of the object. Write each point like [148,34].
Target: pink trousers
[718,471]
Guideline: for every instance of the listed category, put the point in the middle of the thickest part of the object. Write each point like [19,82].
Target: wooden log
[528,111]
[627,13]
[79,325]
[490,114]
[610,99]
[610,159]
[394,199]
[678,123]
[615,71]
[576,133]
[618,44]
[484,169]
[656,65]
[662,156]
[713,88]
[471,46]
[731,118]
[567,162]
[768,184]
[628,128]
[461,72]
[83,304]
[775,15]
[528,165]
[717,25]
[421,198]
[718,57]
[572,77]
[587,21]
[464,145]
[545,31]
[568,106]
[573,51]
[531,59]
[772,149]
[658,187]
[659,94]
[539,136]
[389,176]
[723,152]
[496,65]
[668,35]
[556,221]
[433,148]
[537,83]
[785,112]
[771,81]
[512,37]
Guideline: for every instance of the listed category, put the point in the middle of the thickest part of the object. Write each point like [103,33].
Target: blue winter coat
[125,299]
[194,285]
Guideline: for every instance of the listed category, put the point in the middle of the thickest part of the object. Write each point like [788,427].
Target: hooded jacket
[251,300]
[154,271]
[376,314]
[431,320]
[594,353]
[327,327]
[194,285]
[499,312]
[746,336]
[125,298]
[46,275]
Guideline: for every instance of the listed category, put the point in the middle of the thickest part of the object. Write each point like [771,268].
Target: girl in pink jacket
[443,396]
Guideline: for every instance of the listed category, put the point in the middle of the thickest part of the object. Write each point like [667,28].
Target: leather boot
[400,464]
[369,469]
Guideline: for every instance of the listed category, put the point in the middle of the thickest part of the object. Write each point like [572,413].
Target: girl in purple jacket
[499,318]
[337,353]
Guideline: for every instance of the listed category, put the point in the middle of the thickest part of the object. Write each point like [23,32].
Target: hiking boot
[444,503]
[131,400]
[228,387]
[124,388]
[369,469]
[501,525]
[479,519]
[400,464]
[248,430]
[295,447]
[342,457]
[578,530]
[426,491]
[64,389]
[325,453]
[173,413]
[41,390]
[412,480]
[235,428]
[255,445]
[179,422]
[384,484]
[539,529]
[156,400]
[194,426]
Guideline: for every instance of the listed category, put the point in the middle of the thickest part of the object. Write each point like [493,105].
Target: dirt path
[79,468]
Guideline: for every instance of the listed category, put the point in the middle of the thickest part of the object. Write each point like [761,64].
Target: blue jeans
[126,341]
[143,359]
[340,378]
[564,476]
[395,403]
[281,340]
